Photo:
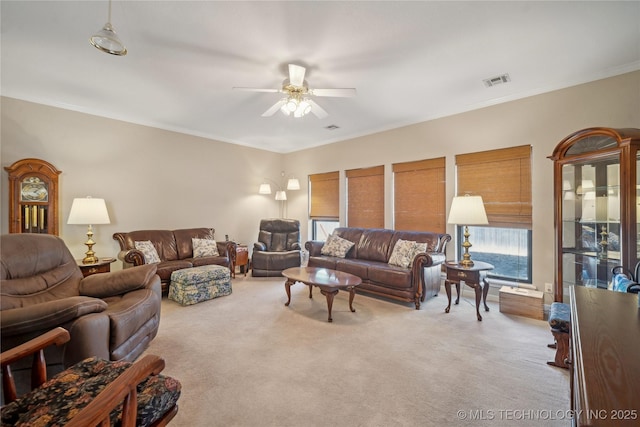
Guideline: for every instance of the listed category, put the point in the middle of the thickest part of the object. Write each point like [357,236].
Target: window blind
[324,196]
[503,178]
[419,195]
[365,197]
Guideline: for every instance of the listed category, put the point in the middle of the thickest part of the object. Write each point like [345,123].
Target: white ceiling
[409,61]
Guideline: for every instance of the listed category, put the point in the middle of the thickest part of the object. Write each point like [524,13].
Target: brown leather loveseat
[113,316]
[174,249]
[369,259]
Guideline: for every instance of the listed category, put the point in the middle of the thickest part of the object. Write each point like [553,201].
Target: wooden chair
[96,392]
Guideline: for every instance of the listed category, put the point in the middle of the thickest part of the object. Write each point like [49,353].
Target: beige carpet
[247,360]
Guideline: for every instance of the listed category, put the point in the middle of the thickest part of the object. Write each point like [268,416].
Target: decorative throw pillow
[336,246]
[148,250]
[204,247]
[403,253]
[418,248]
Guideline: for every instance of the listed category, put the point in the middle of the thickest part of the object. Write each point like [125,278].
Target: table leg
[447,287]
[478,290]
[329,295]
[310,291]
[457,293]
[352,294]
[287,287]
[485,291]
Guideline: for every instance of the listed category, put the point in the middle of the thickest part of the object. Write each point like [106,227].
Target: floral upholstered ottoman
[193,285]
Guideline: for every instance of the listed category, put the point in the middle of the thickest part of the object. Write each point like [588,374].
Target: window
[419,195]
[323,204]
[503,179]
[365,197]
[507,249]
[321,229]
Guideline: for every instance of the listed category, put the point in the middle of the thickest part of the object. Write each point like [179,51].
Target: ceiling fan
[297,101]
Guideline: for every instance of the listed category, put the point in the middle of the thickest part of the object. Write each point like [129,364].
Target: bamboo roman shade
[324,195]
[503,179]
[365,197]
[419,195]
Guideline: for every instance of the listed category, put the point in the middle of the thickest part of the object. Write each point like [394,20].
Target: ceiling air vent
[332,127]
[498,80]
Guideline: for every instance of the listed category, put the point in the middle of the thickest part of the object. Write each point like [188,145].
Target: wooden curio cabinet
[33,197]
[596,188]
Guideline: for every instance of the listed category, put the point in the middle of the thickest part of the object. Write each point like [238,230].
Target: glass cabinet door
[590,221]
[597,217]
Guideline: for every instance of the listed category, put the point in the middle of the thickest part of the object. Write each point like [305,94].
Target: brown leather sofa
[113,316]
[278,247]
[174,248]
[369,260]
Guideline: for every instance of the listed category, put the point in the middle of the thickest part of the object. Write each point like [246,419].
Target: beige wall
[150,178]
[153,178]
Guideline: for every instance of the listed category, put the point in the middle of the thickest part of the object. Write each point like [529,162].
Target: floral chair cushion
[59,399]
[560,317]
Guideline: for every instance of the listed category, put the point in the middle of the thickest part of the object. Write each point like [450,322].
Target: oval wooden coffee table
[329,282]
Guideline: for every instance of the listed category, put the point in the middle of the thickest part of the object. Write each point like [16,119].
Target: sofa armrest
[131,257]
[47,315]
[295,246]
[428,259]
[314,247]
[118,282]
[259,247]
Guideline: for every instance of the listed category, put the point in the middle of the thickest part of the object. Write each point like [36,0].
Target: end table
[102,266]
[474,277]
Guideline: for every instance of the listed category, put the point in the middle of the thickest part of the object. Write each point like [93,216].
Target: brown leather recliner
[113,316]
[278,247]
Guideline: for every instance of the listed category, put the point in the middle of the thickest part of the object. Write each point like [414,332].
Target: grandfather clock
[33,197]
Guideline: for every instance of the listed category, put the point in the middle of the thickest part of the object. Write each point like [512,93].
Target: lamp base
[466,257]
[90,255]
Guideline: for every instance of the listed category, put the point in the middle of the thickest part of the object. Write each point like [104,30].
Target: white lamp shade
[467,210]
[293,184]
[281,195]
[265,189]
[88,211]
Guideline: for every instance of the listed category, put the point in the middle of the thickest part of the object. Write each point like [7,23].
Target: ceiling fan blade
[317,110]
[256,89]
[296,74]
[274,108]
[340,92]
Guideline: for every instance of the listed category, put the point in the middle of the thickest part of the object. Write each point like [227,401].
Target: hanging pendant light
[107,40]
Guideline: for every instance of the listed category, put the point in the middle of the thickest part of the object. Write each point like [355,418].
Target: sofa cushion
[183,240]
[163,240]
[323,262]
[356,267]
[336,246]
[375,245]
[208,260]
[148,250]
[403,253]
[390,276]
[204,247]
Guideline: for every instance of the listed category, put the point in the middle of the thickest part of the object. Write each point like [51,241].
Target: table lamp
[89,211]
[467,210]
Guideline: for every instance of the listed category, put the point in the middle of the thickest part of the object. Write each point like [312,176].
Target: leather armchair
[113,316]
[278,247]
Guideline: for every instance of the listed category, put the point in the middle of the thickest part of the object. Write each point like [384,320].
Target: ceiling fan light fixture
[292,105]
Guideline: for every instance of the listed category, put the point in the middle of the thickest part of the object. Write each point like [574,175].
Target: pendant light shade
[107,40]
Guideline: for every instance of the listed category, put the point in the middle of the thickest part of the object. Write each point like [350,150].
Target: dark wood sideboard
[605,357]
